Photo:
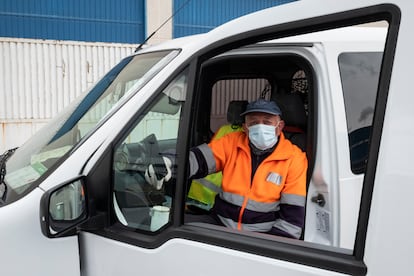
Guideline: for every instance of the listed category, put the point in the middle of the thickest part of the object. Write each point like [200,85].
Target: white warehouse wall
[38,78]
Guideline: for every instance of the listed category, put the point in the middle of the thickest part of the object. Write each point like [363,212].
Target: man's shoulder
[231,140]
[234,135]
[290,150]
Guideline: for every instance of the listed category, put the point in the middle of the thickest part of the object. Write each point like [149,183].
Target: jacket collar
[282,151]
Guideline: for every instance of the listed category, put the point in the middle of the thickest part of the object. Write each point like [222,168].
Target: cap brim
[261,111]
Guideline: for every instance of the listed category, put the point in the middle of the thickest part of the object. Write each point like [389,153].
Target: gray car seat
[294,115]
[234,110]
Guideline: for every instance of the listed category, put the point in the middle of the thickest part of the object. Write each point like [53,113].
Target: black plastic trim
[393,17]
[71,226]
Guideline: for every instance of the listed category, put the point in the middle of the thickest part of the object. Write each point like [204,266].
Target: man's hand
[158,173]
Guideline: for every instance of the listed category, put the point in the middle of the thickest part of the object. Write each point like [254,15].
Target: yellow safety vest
[204,190]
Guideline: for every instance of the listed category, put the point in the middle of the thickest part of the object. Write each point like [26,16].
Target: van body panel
[180,255]
[389,228]
[25,251]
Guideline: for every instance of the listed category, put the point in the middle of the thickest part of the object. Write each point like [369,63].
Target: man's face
[255,118]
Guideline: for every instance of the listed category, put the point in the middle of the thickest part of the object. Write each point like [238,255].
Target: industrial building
[52,51]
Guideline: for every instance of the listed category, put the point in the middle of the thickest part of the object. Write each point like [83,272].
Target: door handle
[319,199]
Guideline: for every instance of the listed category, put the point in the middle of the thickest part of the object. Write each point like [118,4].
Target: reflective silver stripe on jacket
[232,198]
[287,227]
[209,157]
[251,204]
[293,199]
[208,185]
[193,164]
[228,222]
[254,227]
[283,225]
[262,207]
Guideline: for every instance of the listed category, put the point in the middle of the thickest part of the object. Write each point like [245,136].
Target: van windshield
[53,142]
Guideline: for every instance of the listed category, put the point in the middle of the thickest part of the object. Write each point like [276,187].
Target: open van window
[80,118]
[288,71]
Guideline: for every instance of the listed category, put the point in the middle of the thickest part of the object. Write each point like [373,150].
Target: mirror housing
[64,208]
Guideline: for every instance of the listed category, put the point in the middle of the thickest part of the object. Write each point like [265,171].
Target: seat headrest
[293,109]
[234,110]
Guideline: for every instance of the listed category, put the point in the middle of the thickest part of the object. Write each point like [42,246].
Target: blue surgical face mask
[262,136]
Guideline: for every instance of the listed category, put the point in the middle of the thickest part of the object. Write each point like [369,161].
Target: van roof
[346,34]
[277,15]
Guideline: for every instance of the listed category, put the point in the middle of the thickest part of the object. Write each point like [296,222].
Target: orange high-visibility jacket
[273,200]
[205,190]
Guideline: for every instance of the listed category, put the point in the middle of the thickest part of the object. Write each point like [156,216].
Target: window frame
[136,122]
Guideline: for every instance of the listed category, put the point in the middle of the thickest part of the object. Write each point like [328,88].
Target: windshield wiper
[3,159]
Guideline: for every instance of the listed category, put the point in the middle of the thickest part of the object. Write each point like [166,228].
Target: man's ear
[280,127]
[245,129]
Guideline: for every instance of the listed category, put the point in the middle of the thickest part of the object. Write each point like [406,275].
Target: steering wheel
[131,161]
[137,156]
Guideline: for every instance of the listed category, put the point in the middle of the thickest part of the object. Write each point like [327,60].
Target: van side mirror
[63,209]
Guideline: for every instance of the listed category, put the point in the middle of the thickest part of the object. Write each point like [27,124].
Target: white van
[74,200]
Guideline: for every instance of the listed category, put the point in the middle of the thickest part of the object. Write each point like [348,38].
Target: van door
[143,228]
[145,224]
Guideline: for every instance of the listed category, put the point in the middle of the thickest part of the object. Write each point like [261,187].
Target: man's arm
[202,161]
[291,221]
[293,200]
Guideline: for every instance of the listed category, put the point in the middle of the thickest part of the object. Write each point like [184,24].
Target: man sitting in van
[202,192]
[264,175]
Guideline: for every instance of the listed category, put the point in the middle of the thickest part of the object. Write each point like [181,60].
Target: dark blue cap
[261,105]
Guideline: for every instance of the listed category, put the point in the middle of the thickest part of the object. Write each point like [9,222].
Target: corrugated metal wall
[80,20]
[225,91]
[201,16]
[39,78]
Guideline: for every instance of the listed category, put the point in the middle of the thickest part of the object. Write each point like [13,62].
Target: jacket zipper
[246,197]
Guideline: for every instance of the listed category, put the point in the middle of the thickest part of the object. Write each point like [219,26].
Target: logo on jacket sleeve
[274,178]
